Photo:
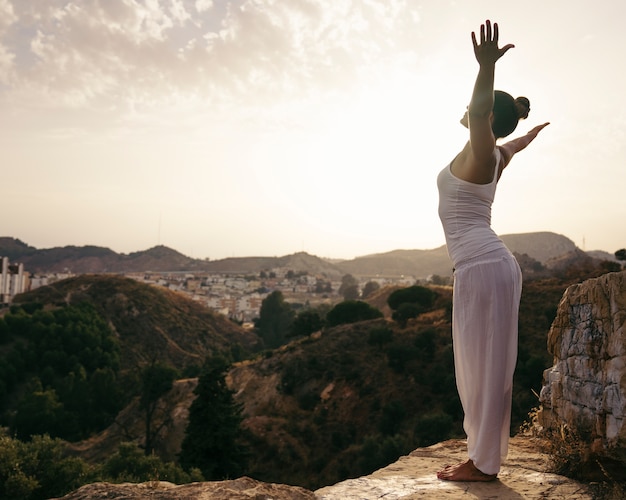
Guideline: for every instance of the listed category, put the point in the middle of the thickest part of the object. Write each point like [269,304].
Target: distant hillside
[92,259]
[549,249]
[150,322]
[300,261]
[543,247]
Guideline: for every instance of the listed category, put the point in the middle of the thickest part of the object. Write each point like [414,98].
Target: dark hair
[507,112]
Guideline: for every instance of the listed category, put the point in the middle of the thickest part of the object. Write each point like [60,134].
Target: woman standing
[487,278]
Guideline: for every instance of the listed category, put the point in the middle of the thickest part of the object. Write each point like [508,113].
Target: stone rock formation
[585,390]
[243,488]
[523,476]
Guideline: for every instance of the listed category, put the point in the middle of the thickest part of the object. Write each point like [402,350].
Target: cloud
[203,5]
[143,54]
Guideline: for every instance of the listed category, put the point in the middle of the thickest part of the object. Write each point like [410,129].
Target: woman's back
[465,213]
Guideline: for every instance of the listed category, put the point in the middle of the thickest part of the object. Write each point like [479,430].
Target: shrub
[351,311]
[405,312]
[38,469]
[422,296]
[130,464]
[433,428]
[380,336]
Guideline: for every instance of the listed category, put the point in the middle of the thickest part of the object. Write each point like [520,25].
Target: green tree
[39,412]
[212,441]
[369,288]
[621,254]
[322,286]
[422,296]
[349,288]
[275,319]
[156,380]
[405,312]
[67,350]
[351,311]
[38,469]
[306,323]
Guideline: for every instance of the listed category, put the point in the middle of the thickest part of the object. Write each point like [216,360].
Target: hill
[92,260]
[549,249]
[149,322]
[544,247]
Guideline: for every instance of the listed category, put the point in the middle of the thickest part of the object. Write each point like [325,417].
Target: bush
[351,311]
[306,323]
[380,336]
[422,296]
[405,312]
[433,428]
[38,469]
[393,415]
[377,452]
[130,464]
[399,355]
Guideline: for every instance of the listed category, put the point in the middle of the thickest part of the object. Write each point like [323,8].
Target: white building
[13,280]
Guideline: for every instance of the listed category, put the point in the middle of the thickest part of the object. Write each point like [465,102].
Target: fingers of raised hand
[487,35]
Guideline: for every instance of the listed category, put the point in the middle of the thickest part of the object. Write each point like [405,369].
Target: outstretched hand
[535,130]
[487,51]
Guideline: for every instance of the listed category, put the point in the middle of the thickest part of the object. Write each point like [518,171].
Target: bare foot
[465,471]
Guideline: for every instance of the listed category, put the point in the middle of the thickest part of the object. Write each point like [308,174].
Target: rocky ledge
[523,476]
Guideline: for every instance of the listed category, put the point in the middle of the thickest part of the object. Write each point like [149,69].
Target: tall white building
[13,280]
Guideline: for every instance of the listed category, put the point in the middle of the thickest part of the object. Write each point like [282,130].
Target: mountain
[544,247]
[549,249]
[92,259]
[149,321]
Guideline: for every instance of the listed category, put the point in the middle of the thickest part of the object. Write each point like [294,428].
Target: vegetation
[39,469]
[212,440]
[275,320]
[348,401]
[351,311]
[60,371]
[349,288]
[306,323]
[156,380]
[369,288]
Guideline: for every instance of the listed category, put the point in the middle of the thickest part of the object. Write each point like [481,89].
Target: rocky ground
[523,476]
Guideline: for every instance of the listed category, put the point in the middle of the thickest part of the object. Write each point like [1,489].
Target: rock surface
[586,388]
[522,477]
[243,488]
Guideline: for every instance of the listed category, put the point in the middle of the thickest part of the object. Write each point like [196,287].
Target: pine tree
[212,438]
[275,320]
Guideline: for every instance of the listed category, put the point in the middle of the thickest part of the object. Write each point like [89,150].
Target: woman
[487,278]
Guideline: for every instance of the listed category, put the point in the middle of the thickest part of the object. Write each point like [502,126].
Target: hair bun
[522,106]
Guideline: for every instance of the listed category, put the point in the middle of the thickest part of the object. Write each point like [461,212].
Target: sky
[233,128]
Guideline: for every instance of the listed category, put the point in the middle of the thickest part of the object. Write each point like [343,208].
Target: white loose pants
[487,292]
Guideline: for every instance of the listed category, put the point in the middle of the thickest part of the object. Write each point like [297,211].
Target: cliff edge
[523,476]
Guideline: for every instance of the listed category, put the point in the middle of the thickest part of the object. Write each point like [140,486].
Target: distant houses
[13,280]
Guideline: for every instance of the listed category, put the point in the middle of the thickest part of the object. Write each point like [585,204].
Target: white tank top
[465,213]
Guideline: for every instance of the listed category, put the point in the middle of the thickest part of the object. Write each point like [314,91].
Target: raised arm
[487,52]
[516,145]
